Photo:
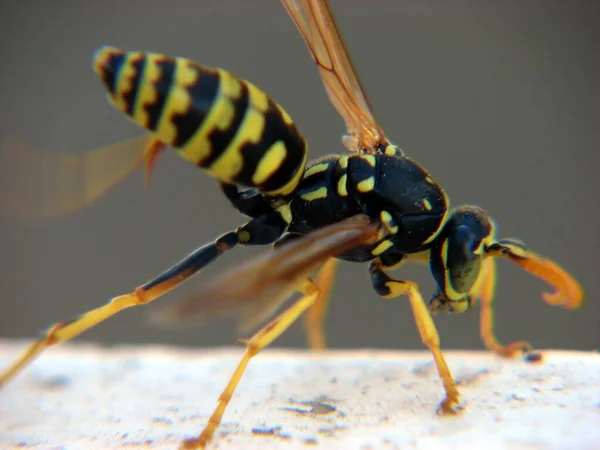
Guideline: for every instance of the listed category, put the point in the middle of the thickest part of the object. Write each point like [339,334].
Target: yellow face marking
[178,100]
[230,163]
[125,81]
[448,288]
[382,247]
[426,204]
[147,95]
[258,98]
[285,211]
[269,163]
[317,168]
[387,220]
[315,195]
[341,186]
[343,162]
[370,159]
[366,185]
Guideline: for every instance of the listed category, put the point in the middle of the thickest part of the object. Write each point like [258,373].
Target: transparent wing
[316,24]
[38,186]
[257,288]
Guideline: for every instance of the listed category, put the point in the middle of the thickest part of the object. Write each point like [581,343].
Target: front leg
[388,288]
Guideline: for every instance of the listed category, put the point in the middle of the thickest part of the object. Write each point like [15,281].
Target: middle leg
[388,288]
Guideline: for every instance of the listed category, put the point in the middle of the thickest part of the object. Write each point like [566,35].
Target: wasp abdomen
[217,121]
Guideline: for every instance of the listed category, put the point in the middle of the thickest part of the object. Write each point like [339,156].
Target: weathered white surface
[87,397]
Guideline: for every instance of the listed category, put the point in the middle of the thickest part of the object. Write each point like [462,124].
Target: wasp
[373,204]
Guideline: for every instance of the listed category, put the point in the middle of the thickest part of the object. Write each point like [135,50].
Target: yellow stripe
[231,86]
[219,117]
[426,204]
[178,100]
[231,161]
[341,186]
[289,187]
[147,94]
[269,163]
[366,185]
[125,81]
[258,98]
[315,195]
[317,168]
[382,247]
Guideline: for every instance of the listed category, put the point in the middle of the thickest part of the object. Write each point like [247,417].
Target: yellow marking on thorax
[370,159]
[219,117]
[317,168]
[388,221]
[392,150]
[442,222]
[343,162]
[147,94]
[429,180]
[125,80]
[269,163]
[231,161]
[341,186]
[178,100]
[315,195]
[366,185]
[285,211]
[426,204]
[382,247]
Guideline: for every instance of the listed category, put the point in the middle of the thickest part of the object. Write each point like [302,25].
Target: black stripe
[221,139]
[130,96]
[203,93]
[110,71]
[166,67]
[275,130]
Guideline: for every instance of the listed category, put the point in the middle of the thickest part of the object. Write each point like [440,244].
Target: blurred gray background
[500,101]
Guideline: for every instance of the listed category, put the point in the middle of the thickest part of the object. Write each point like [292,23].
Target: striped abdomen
[213,119]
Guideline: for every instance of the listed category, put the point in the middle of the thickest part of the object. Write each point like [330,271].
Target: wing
[316,24]
[41,186]
[258,287]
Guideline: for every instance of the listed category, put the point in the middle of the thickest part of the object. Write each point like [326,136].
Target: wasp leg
[388,288]
[315,316]
[485,294]
[255,232]
[255,344]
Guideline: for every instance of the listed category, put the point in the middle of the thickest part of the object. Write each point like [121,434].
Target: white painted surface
[86,397]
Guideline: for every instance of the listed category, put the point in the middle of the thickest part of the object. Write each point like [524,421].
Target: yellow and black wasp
[374,204]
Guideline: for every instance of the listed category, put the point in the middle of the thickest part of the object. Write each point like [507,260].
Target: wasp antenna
[567,291]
